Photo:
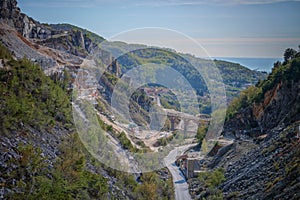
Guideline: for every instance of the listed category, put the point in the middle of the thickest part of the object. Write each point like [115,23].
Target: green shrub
[212,179]
[29,97]
[4,53]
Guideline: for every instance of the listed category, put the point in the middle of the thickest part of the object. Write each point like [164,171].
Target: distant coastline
[259,64]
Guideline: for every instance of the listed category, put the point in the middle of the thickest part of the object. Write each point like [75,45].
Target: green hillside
[29,97]
[288,71]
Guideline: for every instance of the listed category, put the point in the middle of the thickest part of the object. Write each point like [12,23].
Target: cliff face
[263,162]
[10,14]
[75,42]
[279,107]
[63,41]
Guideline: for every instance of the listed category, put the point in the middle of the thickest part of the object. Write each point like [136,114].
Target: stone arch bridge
[175,116]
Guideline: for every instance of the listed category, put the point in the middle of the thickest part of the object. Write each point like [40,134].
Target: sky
[224,28]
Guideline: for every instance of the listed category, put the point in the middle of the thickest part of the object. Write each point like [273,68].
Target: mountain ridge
[62,50]
[264,124]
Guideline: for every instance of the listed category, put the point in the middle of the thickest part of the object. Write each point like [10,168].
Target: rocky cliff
[264,160]
[279,107]
[10,14]
[52,46]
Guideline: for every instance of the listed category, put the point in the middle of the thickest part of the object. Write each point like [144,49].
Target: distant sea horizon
[259,64]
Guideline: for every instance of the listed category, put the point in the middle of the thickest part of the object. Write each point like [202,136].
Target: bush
[212,179]
[29,97]
[4,53]
[67,179]
[247,97]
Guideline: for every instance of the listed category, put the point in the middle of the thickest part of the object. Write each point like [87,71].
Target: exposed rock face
[279,107]
[26,37]
[20,47]
[11,15]
[115,67]
[244,124]
[265,167]
[263,162]
[269,171]
[9,10]
[76,43]
[78,39]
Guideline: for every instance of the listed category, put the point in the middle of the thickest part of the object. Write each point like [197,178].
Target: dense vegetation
[235,76]
[71,179]
[31,99]
[68,178]
[28,97]
[289,71]
[201,132]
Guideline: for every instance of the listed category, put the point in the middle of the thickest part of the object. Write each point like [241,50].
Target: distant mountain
[74,44]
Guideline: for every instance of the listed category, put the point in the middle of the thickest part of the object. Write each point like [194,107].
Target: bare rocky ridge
[51,46]
[21,47]
[29,28]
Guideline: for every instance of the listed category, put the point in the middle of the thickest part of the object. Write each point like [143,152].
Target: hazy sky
[226,28]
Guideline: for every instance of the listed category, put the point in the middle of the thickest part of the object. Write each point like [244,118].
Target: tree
[201,132]
[277,64]
[298,54]
[289,54]
[204,146]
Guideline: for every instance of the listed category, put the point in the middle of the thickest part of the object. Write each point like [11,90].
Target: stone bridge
[173,116]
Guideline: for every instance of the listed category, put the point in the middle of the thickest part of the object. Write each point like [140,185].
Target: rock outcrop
[10,14]
[279,107]
[21,47]
[263,162]
[52,46]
